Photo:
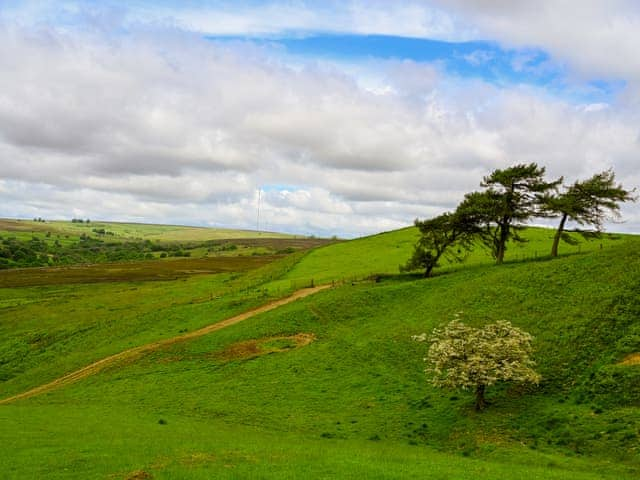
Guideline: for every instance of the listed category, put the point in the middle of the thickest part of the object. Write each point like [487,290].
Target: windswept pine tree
[449,234]
[512,197]
[587,202]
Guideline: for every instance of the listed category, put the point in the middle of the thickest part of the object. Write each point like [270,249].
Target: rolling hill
[330,386]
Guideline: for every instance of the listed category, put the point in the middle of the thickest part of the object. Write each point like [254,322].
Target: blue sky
[319,38]
[483,60]
[351,116]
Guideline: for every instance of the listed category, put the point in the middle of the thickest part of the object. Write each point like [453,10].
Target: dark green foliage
[587,202]
[511,197]
[495,215]
[449,234]
[613,386]
[422,258]
[179,253]
[42,252]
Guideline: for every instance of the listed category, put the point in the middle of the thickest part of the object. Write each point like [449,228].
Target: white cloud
[161,125]
[414,19]
[594,38]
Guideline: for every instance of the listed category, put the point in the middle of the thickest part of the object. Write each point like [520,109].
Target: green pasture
[354,401]
[48,331]
[131,231]
[385,252]
[103,442]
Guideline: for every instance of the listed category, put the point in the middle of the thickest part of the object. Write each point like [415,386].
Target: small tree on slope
[464,357]
[448,235]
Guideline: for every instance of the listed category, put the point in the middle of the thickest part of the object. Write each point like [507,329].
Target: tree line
[510,197]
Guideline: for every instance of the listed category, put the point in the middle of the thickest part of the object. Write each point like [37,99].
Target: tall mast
[258,219]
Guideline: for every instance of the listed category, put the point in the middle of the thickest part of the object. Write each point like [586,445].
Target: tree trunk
[502,243]
[432,265]
[556,238]
[480,401]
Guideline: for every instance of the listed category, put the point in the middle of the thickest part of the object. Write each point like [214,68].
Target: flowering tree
[465,357]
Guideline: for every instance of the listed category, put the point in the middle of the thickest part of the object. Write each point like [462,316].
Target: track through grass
[133,353]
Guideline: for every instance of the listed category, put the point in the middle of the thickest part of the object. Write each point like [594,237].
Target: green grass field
[26,244]
[131,231]
[251,402]
[383,253]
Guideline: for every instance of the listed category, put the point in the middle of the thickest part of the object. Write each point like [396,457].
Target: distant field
[132,231]
[26,244]
[48,329]
[170,269]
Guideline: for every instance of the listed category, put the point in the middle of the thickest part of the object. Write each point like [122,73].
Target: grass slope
[95,441]
[47,331]
[352,403]
[384,252]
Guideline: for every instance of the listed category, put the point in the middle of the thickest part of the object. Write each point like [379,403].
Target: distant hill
[36,243]
[133,231]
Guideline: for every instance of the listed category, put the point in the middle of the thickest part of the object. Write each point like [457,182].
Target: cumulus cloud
[154,123]
[583,34]
[365,17]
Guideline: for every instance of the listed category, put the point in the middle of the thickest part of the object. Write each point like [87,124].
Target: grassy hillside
[46,331]
[96,441]
[383,253]
[350,401]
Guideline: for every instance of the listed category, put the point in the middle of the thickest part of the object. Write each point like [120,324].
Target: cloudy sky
[349,116]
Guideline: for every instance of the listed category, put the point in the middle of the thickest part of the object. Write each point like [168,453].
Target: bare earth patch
[631,359]
[139,475]
[264,346]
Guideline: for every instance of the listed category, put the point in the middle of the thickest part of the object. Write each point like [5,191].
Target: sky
[328,117]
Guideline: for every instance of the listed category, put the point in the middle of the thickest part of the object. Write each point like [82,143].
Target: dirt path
[136,352]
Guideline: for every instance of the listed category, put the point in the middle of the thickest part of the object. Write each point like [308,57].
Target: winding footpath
[134,353]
